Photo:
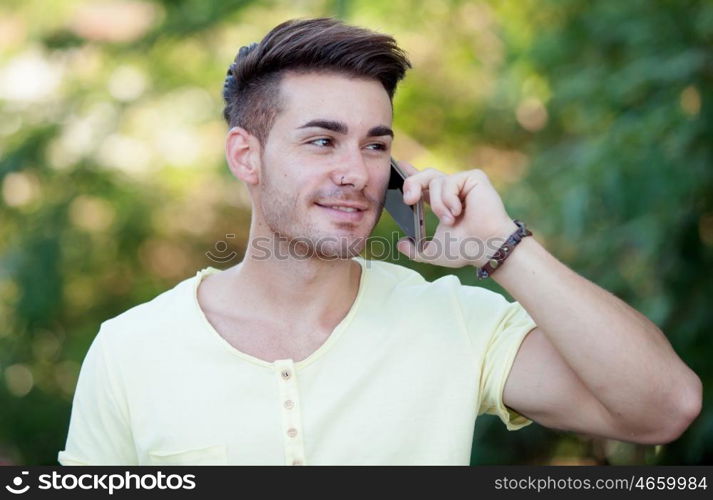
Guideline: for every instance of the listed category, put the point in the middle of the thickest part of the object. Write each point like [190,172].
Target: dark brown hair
[251,89]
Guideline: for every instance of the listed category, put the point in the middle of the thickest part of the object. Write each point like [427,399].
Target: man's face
[329,147]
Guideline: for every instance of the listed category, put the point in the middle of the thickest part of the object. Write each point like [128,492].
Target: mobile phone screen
[408,217]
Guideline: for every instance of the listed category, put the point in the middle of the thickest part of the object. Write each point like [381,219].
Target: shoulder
[389,271]
[392,285]
[164,316]
[389,280]
[389,274]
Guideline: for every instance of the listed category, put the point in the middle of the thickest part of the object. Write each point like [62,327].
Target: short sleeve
[99,431]
[496,329]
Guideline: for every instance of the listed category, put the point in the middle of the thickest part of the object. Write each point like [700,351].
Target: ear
[242,151]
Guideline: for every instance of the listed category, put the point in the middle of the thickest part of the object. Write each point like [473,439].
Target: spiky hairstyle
[251,89]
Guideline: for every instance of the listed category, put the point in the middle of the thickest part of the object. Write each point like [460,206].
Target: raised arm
[593,364]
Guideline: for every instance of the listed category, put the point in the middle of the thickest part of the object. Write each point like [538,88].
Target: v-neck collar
[213,334]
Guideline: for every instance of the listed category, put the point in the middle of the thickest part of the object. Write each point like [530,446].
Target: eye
[377,146]
[322,141]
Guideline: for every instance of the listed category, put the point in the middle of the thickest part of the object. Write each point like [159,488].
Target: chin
[339,245]
[348,250]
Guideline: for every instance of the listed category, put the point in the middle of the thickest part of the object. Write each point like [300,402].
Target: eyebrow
[341,128]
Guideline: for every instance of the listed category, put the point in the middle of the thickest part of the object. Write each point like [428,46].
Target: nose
[352,170]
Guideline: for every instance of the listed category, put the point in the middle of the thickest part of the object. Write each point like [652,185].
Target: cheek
[282,176]
[381,180]
[305,187]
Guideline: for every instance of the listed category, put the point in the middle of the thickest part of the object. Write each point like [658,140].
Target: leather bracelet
[504,251]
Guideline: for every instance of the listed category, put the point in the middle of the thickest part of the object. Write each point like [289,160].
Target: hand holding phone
[408,217]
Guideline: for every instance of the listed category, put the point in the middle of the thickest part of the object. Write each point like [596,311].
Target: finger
[415,184]
[439,208]
[450,195]
[407,247]
[407,167]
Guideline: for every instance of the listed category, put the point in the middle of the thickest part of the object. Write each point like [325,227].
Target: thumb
[407,247]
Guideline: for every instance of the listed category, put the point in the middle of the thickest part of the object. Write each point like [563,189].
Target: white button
[297,462]
[292,432]
[285,374]
[289,404]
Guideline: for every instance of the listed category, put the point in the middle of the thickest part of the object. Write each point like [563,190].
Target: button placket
[291,414]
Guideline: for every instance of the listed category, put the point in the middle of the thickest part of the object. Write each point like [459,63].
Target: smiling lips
[344,210]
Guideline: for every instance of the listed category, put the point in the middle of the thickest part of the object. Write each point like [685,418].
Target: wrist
[499,247]
[520,264]
[490,244]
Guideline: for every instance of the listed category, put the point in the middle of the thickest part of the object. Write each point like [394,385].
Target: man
[306,353]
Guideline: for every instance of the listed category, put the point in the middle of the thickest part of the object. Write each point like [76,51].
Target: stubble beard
[297,233]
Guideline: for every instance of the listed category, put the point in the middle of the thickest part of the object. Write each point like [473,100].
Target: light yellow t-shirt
[400,380]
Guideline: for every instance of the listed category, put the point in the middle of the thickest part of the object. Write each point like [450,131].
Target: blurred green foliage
[593,119]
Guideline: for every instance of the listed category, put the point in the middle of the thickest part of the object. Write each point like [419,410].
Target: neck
[308,291]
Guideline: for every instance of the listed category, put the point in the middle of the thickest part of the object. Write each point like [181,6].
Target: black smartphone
[408,217]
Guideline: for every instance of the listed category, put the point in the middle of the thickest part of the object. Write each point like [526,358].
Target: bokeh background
[593,119]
